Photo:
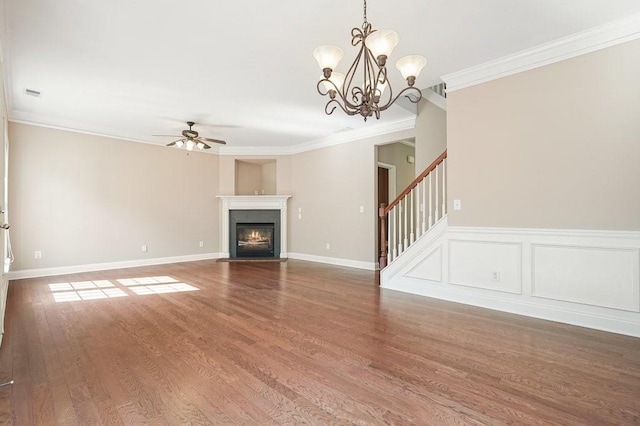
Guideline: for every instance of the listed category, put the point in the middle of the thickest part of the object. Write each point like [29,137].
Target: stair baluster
[408,211]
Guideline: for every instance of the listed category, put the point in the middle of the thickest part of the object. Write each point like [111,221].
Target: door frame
[392,180]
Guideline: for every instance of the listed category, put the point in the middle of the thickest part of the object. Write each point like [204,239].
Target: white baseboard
[523,307]
[75,269]
[358,264]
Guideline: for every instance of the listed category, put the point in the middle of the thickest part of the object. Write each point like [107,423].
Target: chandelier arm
[326,107]
[370,82]
[357,36]
[381,79]
[320,85]
[347,86]
[335,103]
[415,100]
[389,92]
[364,98]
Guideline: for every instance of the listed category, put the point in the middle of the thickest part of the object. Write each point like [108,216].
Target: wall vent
[32,92]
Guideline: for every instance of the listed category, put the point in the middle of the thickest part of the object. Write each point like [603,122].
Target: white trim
[327,141]
[597,38]
[358,264]
[253,202]
[24,118]
[610,315]
[75,269]
[519,307]
[354,135]
[576,233]
[434,98]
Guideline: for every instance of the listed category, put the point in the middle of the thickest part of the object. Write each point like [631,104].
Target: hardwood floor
[294,343]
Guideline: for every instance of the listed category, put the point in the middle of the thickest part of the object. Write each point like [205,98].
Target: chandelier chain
[365,12]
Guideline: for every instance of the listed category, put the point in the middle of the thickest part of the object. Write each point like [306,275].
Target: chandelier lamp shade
[365,88]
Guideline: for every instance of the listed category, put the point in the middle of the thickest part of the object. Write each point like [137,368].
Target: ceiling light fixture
[367,97]
[190,139]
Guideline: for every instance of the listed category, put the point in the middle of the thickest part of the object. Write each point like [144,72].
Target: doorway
[386,194]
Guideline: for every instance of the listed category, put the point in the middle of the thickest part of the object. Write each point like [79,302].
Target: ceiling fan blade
[169,136]
[212,140]
[173,143]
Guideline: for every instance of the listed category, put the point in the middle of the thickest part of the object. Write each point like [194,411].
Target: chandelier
[373,94]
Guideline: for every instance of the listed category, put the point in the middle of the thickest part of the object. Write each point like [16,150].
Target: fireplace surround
[254,221]
[253,209]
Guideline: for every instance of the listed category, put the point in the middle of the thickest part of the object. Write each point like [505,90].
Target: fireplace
[254,239]
[255,210]
[254,233]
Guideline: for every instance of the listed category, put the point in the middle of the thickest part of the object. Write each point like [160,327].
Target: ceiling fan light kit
[191,140]
[366,97]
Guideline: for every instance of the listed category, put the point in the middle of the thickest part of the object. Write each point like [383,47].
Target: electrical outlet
[144,249]
[495,276]
[201,244]
[361,209]
[328,246]
[457,205]
[38,254]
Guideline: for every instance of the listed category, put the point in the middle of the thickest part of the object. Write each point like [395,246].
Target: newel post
[383,235]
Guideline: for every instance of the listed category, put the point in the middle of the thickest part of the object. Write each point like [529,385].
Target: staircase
[418,208]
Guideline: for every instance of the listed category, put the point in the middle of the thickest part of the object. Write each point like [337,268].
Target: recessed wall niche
[255,177]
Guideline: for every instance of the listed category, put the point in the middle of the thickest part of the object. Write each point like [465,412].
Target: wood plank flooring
[294,343]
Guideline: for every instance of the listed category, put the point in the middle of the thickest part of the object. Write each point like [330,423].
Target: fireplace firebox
[254,233]
[254,239]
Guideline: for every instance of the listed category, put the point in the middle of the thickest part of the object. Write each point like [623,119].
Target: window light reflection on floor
[105,289]
[162,288]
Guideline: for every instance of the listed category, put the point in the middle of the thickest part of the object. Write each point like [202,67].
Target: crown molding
[434,98]
[68,126]
[324,142]
[597,38]
[355,135]
[331,140]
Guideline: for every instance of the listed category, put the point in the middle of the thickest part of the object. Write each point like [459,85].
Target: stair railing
[414,211]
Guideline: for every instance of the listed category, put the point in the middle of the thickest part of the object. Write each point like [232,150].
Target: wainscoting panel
[430,268]
[596,276]
[491,265]
[585,278]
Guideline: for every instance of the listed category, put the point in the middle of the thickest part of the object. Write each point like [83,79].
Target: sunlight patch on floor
[105,289]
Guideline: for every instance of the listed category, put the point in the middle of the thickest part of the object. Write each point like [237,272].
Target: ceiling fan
[190,139]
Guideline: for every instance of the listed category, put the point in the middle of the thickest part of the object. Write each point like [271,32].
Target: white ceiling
[243,70]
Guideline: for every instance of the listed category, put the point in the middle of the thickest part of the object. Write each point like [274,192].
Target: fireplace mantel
[253,202]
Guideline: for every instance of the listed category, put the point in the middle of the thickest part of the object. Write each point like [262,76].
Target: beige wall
[255,177]
[396,154]
[431,134]
[554,147]
[281,186]
[248,178]
[330,185]
[269,178]
[84,199]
